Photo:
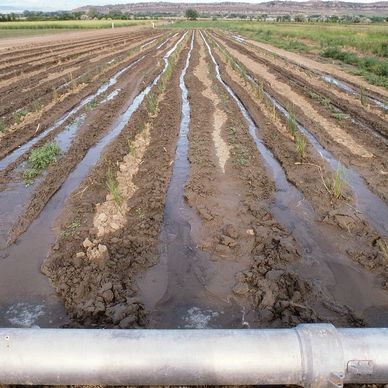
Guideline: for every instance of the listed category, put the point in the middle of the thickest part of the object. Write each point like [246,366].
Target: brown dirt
[307,175]
[106,241]
[235,222]
[104,267]
[94,127]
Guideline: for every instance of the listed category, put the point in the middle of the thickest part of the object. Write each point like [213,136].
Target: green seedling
[113,187]
[301,146]
[71,229]
[338,183]
[291,123]
[340,116]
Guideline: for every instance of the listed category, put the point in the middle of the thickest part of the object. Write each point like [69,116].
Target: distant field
[69,24]
[363,46]
[365,38]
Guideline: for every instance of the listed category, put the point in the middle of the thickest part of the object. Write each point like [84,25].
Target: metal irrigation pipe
[310,355]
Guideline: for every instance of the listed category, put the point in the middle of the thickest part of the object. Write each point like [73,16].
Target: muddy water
[15,196]
[179,291]
[24,290]
[324,251]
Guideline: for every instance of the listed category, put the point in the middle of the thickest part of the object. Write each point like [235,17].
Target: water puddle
[324,259]
[178,290]
[21,281]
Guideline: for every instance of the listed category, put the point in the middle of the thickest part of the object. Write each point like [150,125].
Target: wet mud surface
[180,200]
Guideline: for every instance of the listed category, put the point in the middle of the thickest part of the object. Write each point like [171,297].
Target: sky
[71,4]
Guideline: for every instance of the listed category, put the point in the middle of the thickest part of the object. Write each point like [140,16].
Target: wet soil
[188,206]
[103,266]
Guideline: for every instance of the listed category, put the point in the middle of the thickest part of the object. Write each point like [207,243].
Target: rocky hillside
[271,7]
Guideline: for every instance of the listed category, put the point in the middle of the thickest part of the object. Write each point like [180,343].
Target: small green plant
[39,160]
[363,97]
[19,115]
[383,247]
[131,148]
[326,102]
[314,96]
[2,125]
[151,103]
[291,123]
[338,183]
[55,96]
[72,228]
[340,116]
[113,186]
[37,106]
[301,146]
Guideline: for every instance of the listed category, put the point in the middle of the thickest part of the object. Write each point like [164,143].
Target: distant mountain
[271,7]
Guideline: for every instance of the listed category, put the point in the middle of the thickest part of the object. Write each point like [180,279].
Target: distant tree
[300,18]
[192,14]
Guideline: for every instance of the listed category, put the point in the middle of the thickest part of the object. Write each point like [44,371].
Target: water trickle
[347,88]
[325,259]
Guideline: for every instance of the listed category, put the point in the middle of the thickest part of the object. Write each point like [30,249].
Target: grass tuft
[113,186]
[291,123]
[338,183]
[301,146]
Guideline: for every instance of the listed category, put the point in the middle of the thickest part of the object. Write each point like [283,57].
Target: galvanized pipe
[315,355]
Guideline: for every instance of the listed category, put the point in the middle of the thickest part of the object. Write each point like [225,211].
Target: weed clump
[72,228]
[338,183]
[39,160]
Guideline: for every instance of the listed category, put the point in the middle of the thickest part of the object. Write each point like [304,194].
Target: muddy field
[188,179]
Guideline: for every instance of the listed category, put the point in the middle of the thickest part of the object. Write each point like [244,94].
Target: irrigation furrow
[15,153]
[369,204]
[43,92]
[63,55]
[36,287]
[319,68]
[328,263]
[366,119]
